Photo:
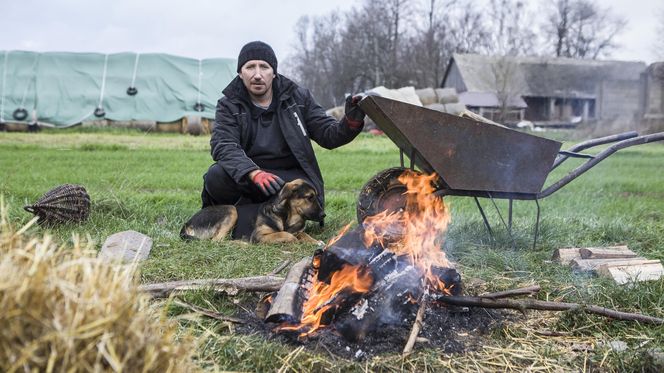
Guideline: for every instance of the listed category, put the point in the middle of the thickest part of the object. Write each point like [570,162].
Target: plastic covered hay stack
[65,310]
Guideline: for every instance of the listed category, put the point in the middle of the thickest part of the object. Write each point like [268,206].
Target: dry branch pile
[64,310]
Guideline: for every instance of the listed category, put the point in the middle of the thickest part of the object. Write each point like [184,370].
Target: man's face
[257,76]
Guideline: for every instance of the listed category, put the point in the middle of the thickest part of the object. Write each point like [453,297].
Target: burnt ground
[451,331]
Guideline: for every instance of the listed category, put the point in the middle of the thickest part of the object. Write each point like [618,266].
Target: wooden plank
[622,274]
[566,255]
[606,252]
[593,264]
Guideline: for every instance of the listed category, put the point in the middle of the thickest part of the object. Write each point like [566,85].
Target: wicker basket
[67,203]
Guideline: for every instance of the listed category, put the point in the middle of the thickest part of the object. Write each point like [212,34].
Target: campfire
[376,274]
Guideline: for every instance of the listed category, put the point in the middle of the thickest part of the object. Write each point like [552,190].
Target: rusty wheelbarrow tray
[479,159]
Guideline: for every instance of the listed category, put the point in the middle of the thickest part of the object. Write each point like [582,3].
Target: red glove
[268,183]
[354,115]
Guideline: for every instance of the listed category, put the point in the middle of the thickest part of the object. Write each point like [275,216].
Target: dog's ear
[284,197]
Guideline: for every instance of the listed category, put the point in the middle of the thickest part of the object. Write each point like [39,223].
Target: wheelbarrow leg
[509,228]
[509,218]
[536,223]
[486,221]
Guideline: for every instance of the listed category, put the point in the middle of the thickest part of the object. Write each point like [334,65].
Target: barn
[547,91]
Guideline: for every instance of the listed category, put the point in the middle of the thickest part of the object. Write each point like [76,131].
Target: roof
[489,99]
[543,76]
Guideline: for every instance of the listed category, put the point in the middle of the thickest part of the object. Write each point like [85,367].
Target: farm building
[64,89]
[547,90]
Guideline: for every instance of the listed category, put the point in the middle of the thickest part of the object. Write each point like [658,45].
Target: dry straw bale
[65,310]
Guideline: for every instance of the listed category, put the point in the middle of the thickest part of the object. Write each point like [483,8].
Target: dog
[280,219]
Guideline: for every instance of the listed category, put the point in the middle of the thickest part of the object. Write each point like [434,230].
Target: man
[263,127]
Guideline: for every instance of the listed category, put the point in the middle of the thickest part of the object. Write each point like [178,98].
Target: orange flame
[349,279]
[420,227]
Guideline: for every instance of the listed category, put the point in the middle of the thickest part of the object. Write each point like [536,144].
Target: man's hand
[354,115]
[268,183]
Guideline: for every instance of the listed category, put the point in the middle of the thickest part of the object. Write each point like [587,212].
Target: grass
[151,183]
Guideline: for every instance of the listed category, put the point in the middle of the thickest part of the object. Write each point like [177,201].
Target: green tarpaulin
[65,88]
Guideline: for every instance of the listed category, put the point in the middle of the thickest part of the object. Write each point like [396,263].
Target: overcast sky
[219,28]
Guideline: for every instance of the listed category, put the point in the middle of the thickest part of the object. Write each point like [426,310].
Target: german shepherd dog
[280,219]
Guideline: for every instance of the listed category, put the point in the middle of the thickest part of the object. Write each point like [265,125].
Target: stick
[547,306]
[258,283]
[417,326]
[209,313]
[281,267]
[529,290]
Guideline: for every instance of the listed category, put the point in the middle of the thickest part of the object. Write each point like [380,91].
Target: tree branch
[546,306]
[257,283]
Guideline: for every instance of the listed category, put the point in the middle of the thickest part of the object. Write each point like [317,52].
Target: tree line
[396,43]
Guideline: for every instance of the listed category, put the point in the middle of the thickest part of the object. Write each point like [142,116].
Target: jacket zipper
[299,123]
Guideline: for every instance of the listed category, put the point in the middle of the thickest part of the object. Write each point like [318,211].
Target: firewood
[417,326]
[607,252]
[594,264]
[284,305]
[529,290]
[523,305]
[257,283]
[565,256]
[209,313]
[622,274]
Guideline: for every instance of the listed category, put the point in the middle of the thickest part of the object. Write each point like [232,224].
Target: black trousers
[219,188]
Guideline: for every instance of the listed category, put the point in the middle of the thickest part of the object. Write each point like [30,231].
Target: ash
[445,329]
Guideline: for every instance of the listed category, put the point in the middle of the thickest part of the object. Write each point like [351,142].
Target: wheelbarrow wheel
[382,192]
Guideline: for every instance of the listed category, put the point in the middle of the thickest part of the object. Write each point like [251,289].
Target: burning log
[373,275]
[285,304]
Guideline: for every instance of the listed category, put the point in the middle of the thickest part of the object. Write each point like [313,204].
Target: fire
[415,232]
[323,297]
[419,228]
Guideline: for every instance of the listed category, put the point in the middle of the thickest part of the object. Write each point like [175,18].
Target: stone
[126,246]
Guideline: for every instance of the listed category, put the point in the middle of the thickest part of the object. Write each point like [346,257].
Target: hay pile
[64,310]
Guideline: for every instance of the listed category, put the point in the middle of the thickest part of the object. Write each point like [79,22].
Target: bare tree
[447,27]
[581,29]
[658,45]
[504,72]
[510,28]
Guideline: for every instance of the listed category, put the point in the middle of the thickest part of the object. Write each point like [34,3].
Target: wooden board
[606,252]
[594,264]
[566,255]
[624,274]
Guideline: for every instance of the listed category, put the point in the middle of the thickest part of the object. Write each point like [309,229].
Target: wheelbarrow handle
[639,140]
[562,157]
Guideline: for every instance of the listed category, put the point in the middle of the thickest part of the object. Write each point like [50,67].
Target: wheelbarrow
[474,158]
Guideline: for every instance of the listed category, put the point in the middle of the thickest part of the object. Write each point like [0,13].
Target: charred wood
[285,305]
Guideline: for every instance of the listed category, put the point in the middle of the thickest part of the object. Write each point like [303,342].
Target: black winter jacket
[300,117]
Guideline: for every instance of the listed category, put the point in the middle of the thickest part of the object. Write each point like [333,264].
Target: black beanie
[257,50]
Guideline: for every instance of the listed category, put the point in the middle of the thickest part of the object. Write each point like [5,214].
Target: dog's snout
[322,215]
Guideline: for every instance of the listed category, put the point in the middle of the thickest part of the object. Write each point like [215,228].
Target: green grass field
[151,183]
